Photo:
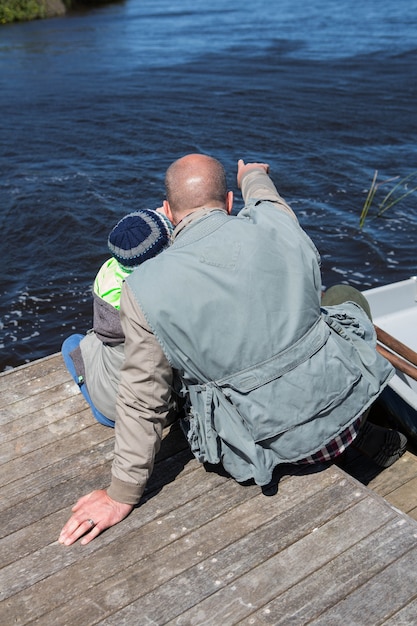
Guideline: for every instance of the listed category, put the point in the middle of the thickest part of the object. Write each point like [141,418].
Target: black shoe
[383,445]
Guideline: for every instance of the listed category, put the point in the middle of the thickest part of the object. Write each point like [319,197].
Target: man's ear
[229,201]
[168,212]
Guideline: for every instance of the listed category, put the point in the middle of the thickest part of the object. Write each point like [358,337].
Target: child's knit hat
[139,236]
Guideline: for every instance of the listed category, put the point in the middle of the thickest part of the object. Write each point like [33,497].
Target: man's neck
[192,216]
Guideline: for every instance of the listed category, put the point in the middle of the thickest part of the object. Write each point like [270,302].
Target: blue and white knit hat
[139,236]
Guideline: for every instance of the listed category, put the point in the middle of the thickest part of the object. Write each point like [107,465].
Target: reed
[390,199]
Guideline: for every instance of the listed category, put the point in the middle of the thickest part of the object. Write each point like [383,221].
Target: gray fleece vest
[271,377]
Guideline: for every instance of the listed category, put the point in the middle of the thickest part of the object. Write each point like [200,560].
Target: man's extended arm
[255,184]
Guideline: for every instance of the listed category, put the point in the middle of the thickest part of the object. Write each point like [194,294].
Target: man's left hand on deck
[92,514]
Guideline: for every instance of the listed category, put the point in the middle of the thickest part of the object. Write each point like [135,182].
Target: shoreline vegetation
[25,10]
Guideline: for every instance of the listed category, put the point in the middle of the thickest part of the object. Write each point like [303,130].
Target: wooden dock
[200,549]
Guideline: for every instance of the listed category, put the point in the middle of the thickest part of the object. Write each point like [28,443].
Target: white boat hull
[394,309]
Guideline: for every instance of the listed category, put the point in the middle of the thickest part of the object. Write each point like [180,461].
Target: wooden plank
[31,371]
[384,595]
[45,492]
[74,420]
[31,538]
[29,422]
[200,548]
[405,617]
[49,557]
[48,491]
[30,478]
[227,549]
[190,534]
[25,403]
[118,548]
[89,435]
[30,379]
[405,497]
[42,492]
[332,582]
[393,477]
[413,513]
[396,483]
[222,598]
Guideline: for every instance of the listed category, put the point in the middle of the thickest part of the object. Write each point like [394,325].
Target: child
[95,359]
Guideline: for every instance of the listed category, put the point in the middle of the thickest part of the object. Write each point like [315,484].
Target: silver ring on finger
[91,522]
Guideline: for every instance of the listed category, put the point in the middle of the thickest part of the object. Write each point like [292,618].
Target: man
[234,306]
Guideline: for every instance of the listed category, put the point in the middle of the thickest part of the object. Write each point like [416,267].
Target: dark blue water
[96,105]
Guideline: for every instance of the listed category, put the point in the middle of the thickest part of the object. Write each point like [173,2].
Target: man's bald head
[195,181]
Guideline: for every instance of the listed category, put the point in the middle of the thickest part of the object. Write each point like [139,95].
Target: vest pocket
[308,392]
[198,425]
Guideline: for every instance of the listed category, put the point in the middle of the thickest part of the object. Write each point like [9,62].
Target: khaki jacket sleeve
[142,404]
[257,186]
